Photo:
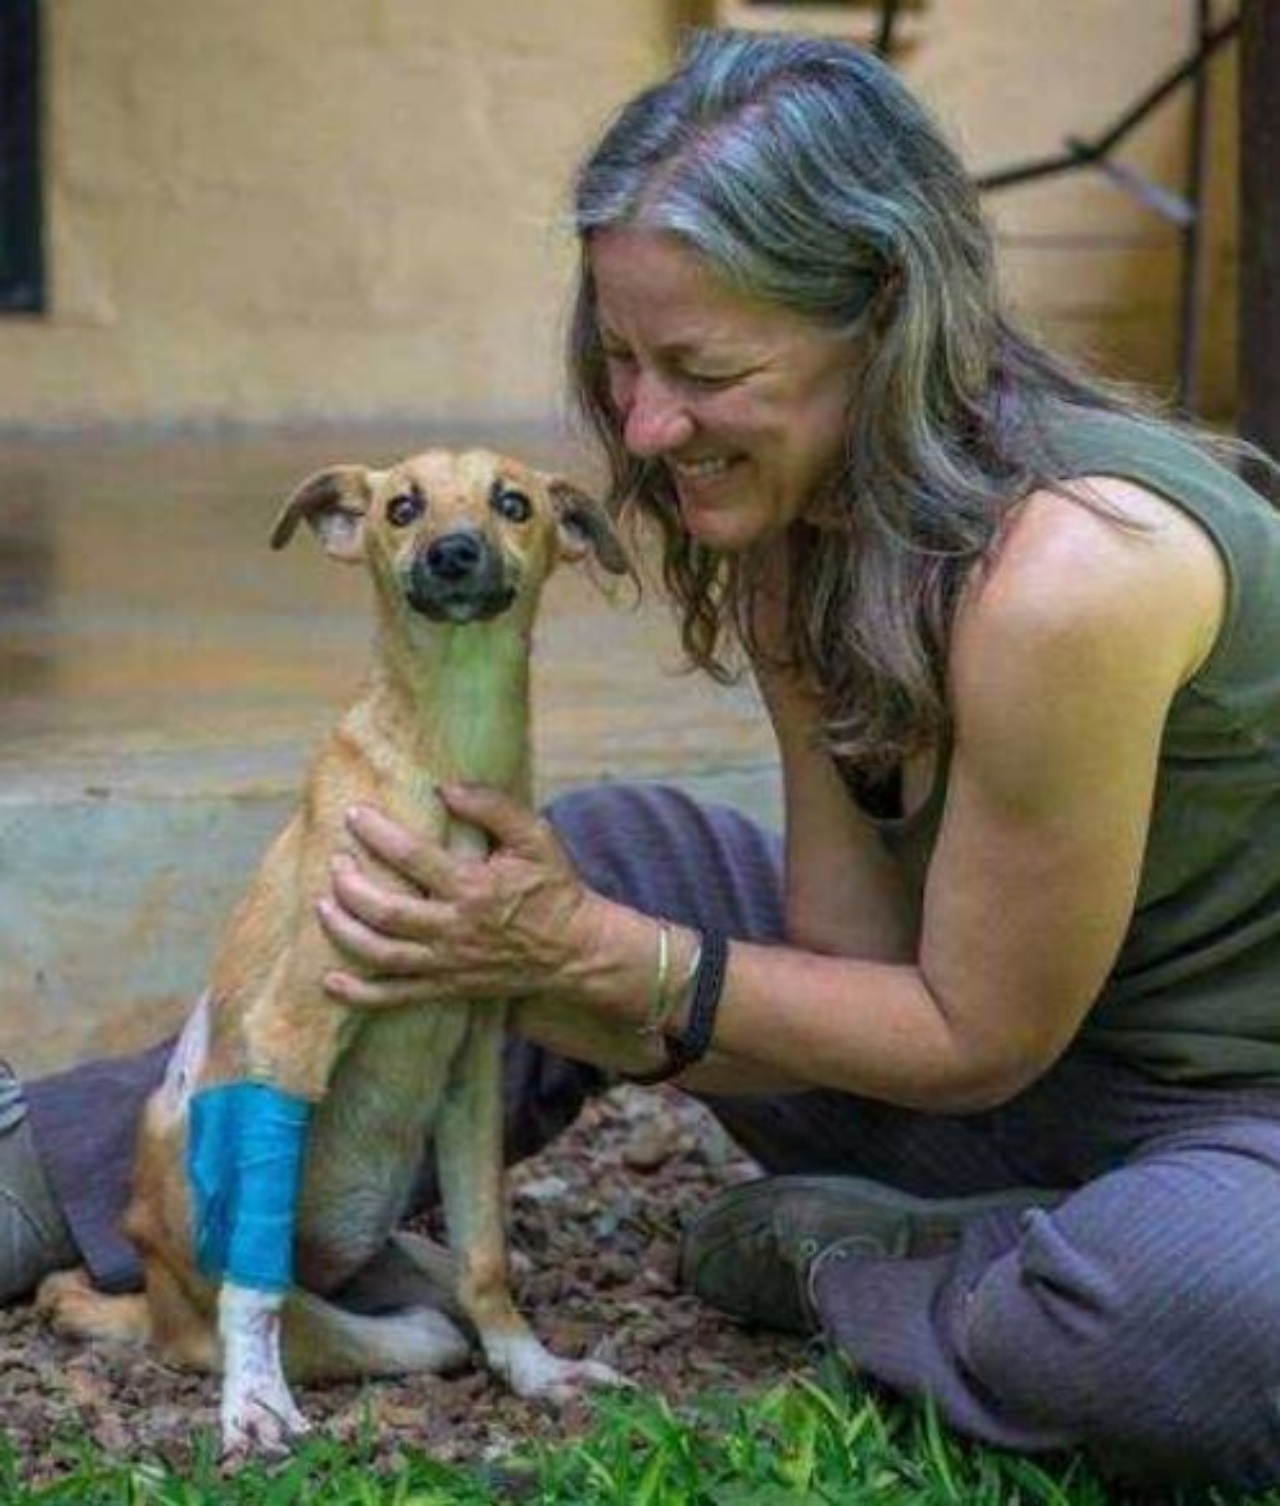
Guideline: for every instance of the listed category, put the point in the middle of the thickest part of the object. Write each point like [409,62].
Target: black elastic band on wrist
[690,1045]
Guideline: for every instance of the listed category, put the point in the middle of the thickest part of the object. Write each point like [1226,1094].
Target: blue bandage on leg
[245,1148]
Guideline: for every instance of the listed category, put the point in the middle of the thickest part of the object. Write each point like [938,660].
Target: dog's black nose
[455,556]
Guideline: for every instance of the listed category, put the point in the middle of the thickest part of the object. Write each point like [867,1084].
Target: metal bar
[1190,312]
[888,21]
[1260,221]
[1082,153]
[1160,91]
[1167,204]
[1027,172]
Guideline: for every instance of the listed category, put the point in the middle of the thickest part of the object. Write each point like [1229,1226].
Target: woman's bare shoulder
[1103,559]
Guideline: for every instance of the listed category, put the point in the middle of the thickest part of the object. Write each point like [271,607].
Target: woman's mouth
[703,469]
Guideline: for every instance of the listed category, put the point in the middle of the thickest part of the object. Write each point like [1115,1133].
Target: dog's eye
[405,509]
[514,506]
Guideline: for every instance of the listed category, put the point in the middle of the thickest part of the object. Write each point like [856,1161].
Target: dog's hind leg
[323,1341]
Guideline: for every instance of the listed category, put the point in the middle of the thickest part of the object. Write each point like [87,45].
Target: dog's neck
[461,695]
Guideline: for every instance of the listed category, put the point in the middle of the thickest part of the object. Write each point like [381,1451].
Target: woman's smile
[700,470]
[704,482]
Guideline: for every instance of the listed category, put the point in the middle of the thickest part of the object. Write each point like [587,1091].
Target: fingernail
[355,814]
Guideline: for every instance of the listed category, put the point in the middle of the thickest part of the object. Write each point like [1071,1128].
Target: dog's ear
[333,503]
[585,525]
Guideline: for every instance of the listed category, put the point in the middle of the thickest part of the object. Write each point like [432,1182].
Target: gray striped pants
[1138,1320]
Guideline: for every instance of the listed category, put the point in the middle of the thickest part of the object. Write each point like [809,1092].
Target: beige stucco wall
[315,209]
[312,207]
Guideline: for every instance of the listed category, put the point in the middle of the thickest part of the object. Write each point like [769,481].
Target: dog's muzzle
[459,577]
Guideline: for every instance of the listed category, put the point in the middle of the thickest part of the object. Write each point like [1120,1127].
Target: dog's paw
[72,1306]
[572,1377]
[62,1291]
[533,1371]
[258,1427]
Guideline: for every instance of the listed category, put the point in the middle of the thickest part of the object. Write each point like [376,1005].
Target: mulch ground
[594,1222]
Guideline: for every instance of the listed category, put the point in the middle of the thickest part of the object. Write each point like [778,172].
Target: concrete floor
[162,674]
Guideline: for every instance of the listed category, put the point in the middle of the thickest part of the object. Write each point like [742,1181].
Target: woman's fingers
[409,853]
[381,955]
[404,907]
[391,912]
[373,993]
[510,824]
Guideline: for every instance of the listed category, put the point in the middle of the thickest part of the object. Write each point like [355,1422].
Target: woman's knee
[1160,1367]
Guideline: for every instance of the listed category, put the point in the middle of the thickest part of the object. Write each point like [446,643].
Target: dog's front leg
[469,1158]
[258,1414]
[245,1150]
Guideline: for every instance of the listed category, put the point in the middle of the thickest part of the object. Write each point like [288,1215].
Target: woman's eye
[514,506]
[405,509]
[710,379]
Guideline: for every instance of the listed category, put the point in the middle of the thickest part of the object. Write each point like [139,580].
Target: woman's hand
[451,926]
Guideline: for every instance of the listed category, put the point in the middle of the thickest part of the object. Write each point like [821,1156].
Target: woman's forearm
[787,1018]
[600,1017]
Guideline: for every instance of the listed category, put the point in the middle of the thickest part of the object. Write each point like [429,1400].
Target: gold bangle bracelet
[660,998]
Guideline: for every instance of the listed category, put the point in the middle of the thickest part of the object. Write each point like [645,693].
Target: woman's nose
[655,420]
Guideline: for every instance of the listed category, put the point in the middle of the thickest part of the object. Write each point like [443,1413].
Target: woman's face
[745,402]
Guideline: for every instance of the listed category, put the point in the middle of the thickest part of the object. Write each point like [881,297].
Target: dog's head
[456,537]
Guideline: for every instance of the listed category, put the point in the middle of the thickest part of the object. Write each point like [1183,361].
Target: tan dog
[458,547]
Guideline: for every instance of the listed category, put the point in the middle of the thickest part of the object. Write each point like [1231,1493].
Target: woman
[1003,1018]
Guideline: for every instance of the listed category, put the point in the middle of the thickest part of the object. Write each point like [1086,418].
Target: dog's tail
[72,1306]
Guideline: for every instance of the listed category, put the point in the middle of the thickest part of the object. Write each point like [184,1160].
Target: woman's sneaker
[750,1254]
[34,1239]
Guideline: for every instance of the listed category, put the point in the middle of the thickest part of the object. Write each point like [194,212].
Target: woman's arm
[842,891]
[1064,663]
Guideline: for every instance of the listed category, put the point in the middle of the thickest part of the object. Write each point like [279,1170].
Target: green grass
[805,1443]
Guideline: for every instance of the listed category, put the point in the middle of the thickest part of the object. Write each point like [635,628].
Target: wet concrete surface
[163,673]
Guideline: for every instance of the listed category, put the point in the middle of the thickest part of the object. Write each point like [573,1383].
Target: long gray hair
[804,173]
